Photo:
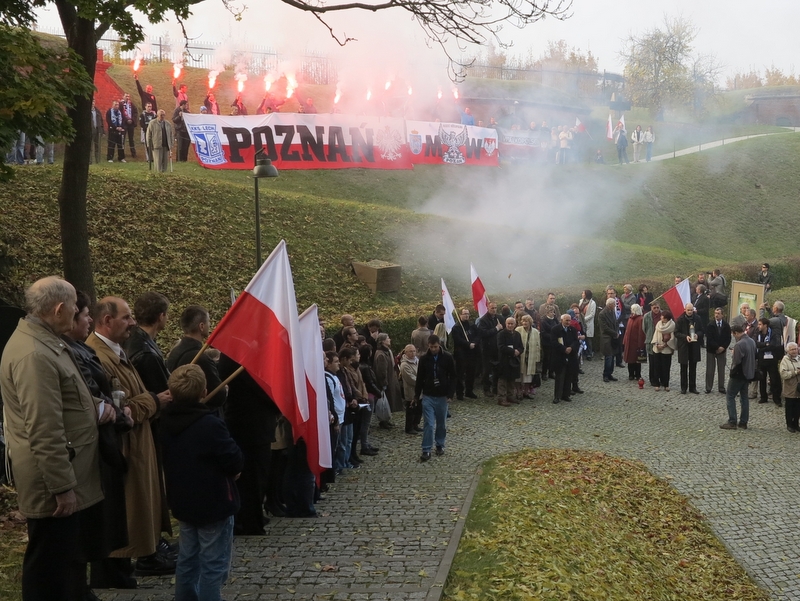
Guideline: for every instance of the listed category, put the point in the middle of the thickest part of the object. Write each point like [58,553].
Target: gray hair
[636,309]
[382,337]
[790,345]
[44,295]
[779,306]
[610,302]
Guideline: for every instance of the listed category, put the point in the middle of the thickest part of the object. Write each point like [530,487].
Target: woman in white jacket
[649,138]
[588,309]
[790,375]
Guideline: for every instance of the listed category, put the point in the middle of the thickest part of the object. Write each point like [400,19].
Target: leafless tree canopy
[445,21]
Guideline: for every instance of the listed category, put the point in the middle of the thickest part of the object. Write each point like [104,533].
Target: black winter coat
[508,361]
[250,414]
[183,353]
[688,351]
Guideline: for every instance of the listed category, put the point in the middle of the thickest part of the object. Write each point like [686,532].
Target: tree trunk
[75,176]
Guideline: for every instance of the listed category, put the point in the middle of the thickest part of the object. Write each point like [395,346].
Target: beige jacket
[50,422]
[142,485]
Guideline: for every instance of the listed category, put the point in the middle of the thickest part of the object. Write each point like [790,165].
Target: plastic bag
[382,410]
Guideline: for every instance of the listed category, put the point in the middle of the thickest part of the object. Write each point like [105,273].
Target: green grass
[555,525]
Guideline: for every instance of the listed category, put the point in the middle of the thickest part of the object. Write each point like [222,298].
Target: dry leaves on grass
[561,524]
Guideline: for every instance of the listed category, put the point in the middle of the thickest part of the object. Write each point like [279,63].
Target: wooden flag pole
[222,385]
[199,353]
[461,323]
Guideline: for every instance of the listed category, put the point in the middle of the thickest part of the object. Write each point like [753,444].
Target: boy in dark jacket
[201,464]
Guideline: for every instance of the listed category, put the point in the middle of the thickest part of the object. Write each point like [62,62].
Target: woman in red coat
[634,343]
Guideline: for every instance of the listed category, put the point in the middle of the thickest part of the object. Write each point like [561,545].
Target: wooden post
[199,353]
[222,385]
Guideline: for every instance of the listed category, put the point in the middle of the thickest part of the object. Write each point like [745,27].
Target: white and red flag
[677,297]
[609,129]
[622,122]
[316,431]
[579,126]
[479,298]
[449,308]
[261,332]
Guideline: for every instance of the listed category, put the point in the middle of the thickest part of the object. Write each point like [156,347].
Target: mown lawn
[561,524]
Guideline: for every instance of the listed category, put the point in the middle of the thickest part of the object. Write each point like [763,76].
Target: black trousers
[252,488]
[465,372]
[54,567]
[115,142]
[95,155]
[689,375]
[489,371]
[635,370]
[183,146]
[770,368]
[662,364]
[413,415]
[129,131]
[792,412]
[561,389]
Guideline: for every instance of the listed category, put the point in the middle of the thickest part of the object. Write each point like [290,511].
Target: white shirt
[112,345]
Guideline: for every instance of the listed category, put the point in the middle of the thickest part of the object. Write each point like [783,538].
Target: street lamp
[263,168]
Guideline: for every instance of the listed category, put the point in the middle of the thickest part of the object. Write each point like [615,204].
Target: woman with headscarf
[634,343]
[664,345]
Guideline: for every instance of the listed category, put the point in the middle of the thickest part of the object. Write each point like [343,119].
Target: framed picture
[745,292]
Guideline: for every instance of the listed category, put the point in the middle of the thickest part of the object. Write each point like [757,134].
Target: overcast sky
[740,34]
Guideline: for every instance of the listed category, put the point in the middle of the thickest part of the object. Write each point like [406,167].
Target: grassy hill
[190,234]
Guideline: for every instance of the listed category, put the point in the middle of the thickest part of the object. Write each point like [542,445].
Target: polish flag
[316,431]
[622,122]
[261,332]
[579,126]
[609,129]
[479,298]
[677,297]
[449,308]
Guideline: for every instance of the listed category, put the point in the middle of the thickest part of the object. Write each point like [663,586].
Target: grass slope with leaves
[564,524]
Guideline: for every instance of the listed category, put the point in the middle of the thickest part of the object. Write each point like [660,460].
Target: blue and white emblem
[207,144]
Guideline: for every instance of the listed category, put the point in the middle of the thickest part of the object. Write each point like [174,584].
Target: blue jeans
[608,366]
[740,387]
[434,409]
[342,459]
[204,560]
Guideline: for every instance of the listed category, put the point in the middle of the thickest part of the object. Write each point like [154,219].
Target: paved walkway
[385,530]
[715,144]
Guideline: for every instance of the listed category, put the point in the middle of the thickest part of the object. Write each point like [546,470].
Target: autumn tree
[85,21]
[743,81]
[662,70]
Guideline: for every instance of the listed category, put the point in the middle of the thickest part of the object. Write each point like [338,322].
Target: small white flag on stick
[449,309]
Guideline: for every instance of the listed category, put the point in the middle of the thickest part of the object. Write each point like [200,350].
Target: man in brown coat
[51,430]
[113,324]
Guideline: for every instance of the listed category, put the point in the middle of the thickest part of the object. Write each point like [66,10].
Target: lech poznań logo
[207,144]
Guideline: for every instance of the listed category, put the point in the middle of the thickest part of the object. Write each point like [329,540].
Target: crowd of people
[96,411]
[640,140]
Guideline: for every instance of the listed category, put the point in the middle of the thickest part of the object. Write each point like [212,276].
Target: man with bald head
[51,431]
[113,326]
[689,338]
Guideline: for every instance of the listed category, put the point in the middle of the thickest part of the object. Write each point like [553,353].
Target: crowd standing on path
[107,433]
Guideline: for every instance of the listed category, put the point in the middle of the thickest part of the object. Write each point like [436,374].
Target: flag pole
[199,353]
[222,385]
[461,323]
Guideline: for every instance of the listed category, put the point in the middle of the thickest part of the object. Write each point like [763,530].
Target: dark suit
[487,329]
[563,362]
[130,117]
[688,352]
[716,337]
[466,357]
[97,132]
[116,131]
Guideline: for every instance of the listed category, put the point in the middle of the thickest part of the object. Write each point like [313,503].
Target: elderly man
[159,140]
[488,327]
[609,337]
[509,349]
[564,341]
[689,338]
[51,430]
[113,325]
[741,318]
[743,368]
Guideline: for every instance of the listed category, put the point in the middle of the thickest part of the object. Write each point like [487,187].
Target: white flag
[449,309]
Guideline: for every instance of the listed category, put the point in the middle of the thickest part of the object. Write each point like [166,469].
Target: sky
[740,37]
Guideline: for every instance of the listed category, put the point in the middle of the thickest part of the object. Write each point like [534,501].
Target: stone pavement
[387,530]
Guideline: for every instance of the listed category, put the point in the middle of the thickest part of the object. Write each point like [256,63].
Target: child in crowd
[201,464]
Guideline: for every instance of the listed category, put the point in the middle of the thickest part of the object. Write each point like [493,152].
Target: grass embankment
[557,524]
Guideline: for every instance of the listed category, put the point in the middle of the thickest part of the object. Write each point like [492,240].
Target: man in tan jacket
[51,430]
[113,324]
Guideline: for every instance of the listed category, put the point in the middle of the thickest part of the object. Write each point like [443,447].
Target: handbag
[382,410]
[641,355]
